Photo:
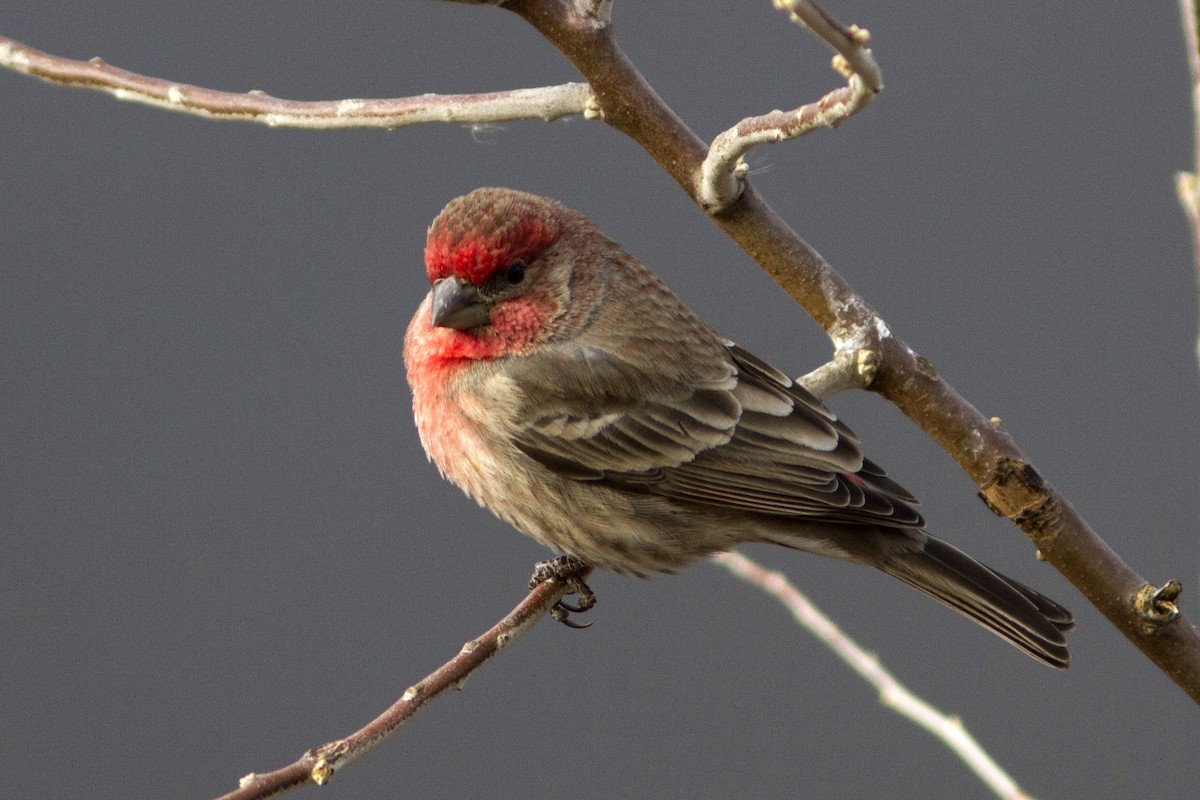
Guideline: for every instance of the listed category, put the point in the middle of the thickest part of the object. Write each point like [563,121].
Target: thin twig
[1185,182]
[319,764]
[893,694]
[545,103]
[721,176]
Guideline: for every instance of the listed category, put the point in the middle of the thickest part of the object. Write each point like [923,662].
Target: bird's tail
[1009,609]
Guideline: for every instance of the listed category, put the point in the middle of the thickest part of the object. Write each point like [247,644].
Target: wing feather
[748,438]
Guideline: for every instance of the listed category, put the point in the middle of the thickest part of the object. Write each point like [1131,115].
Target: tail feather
[1008,608]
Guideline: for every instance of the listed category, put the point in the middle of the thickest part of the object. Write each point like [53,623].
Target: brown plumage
[563,386]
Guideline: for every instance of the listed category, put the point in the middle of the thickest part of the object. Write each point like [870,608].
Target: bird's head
[490,257]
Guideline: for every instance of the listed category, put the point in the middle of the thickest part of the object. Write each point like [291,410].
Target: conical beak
[457,305]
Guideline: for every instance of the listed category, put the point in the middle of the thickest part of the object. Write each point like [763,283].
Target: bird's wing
[744,436]
[587,412]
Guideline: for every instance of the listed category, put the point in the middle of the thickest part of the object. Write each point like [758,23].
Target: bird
[563,386]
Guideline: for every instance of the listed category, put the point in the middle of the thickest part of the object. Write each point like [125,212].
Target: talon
[562,615]
[570,571]
[573,609]
[586,598]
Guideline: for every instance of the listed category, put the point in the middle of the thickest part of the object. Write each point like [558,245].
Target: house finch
[564,387]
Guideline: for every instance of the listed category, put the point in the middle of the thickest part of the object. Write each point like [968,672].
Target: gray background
[222,543]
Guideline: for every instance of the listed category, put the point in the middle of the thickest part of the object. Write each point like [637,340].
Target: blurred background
[222,543]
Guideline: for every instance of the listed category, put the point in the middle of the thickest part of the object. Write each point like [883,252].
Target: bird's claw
[574,609]
[560,613]
[570,571]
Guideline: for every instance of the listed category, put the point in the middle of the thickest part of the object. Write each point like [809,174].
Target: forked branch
[1009,484]
[618,93]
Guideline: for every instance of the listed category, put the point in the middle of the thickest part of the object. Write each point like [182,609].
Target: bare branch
[1185,182]
[892,693]
[721,177]
[319,764]
[1009,484]
[546,103]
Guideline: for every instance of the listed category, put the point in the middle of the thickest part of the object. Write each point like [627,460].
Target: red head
[496,281]
[481,233]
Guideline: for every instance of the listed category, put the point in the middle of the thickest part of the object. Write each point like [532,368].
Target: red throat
[514,329]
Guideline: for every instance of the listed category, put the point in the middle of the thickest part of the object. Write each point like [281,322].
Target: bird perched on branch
[563,386]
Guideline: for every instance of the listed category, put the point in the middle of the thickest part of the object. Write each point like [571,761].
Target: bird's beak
[457,305]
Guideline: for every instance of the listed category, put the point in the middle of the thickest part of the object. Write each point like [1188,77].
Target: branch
[320,763]
[723,170]
[1008,483]
[546,103]
[892,693]
[618,93]
[1185,182]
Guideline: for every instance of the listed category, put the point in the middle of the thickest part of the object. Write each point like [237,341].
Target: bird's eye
[516,272]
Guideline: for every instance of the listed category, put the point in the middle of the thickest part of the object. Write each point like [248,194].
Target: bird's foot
[571,572]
